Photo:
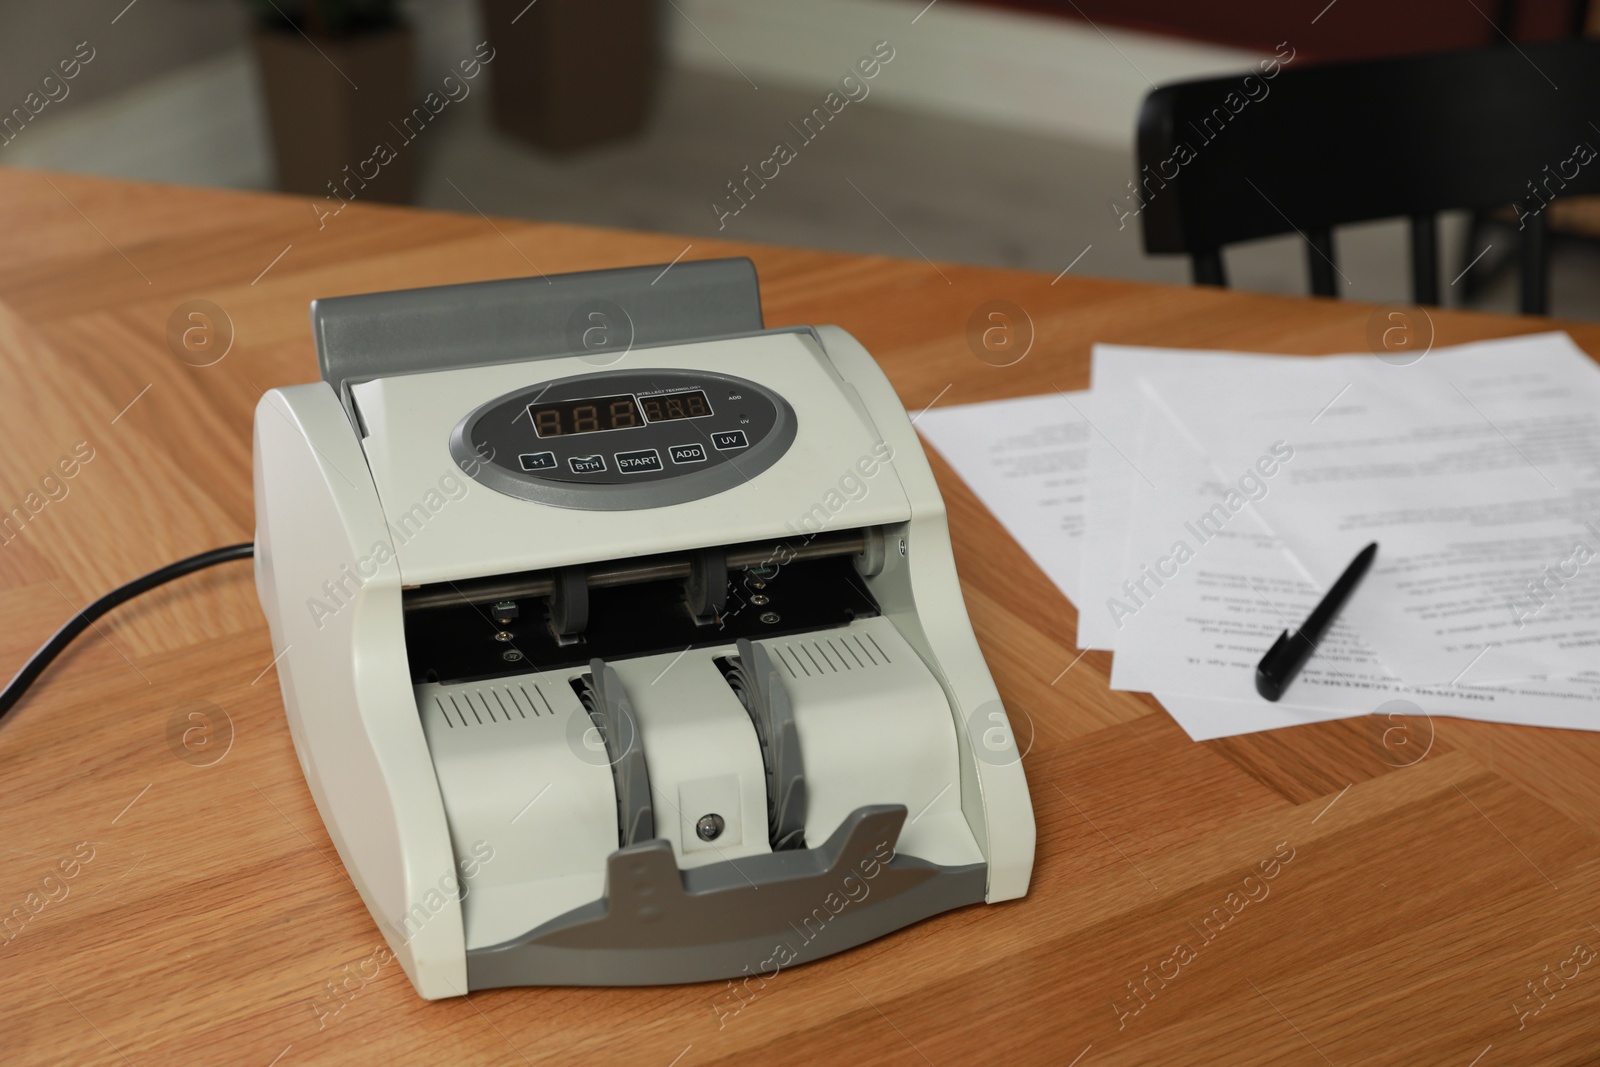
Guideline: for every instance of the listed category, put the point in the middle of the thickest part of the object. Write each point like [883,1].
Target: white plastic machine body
[620,638]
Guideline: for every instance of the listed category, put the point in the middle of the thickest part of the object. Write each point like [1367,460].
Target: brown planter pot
[330,109]
[568,74]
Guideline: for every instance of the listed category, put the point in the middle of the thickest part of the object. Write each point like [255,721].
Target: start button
[646,459]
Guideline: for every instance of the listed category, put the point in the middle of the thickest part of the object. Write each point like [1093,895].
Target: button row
[637,462]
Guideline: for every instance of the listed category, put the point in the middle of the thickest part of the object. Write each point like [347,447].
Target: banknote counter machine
[619,636]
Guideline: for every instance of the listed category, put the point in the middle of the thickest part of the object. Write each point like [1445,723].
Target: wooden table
[211,913]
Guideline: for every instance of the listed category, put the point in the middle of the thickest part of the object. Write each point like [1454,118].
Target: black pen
[1288,654]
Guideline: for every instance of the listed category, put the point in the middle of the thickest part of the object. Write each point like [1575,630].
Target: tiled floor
[875,180]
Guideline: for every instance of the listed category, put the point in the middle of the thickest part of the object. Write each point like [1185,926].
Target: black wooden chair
[1224,160]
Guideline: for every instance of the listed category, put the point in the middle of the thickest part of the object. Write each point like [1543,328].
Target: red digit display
[665,407]
[588,415]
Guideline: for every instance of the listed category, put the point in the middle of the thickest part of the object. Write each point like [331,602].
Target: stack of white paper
[1195,504]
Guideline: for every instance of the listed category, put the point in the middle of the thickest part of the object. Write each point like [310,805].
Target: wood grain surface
[1440,912]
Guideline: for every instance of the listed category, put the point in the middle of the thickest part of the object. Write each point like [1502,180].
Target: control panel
[617,440]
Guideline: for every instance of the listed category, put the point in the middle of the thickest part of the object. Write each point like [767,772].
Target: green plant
[328,17]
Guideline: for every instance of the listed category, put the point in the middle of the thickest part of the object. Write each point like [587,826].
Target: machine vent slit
[865,651]
[779,650]
[512,693]
[797,660]
[881,652]
[823,647]
[813,659]
[487,707]
[845,644]
[547,706]
[440,705]
[498,699]
[459,714]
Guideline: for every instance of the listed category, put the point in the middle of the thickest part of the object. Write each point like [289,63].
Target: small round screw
[760,599]
[709,827]
[503,635]
[511,655]
[769,617]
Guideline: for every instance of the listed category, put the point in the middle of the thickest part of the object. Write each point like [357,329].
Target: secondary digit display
[589,415]
[664,407]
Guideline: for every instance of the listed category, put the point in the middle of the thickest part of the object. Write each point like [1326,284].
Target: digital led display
[589,415]
[664,407]
[563,418]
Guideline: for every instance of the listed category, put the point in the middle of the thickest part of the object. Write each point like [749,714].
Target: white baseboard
[203,124]
[1052,76]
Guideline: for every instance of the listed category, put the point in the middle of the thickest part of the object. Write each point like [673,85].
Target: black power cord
[123,593]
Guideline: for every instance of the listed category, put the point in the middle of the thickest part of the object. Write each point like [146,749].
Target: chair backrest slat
[1319,262]
[1209,269]
[1535,257]
[1424,259]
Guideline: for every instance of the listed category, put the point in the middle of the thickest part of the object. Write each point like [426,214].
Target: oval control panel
[626,439]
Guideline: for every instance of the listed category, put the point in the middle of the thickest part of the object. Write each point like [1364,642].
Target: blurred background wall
[999,133]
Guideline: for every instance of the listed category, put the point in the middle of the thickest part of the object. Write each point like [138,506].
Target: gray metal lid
[378,335]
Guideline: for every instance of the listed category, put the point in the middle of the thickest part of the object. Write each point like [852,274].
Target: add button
[646,459]
[688,453]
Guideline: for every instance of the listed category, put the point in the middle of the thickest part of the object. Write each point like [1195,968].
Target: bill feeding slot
[616,610]
[867,544]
